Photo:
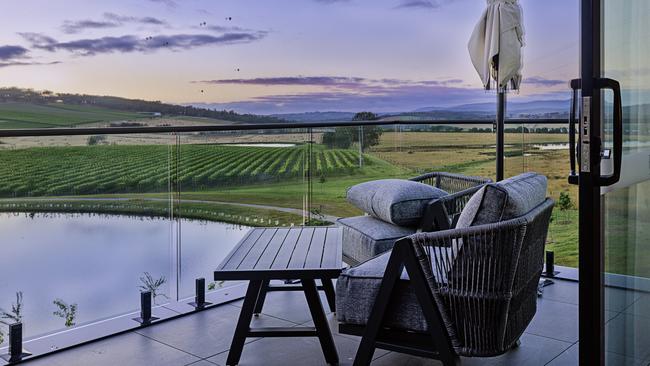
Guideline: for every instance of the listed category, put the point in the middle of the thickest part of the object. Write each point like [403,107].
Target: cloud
[170,3]
[132,43]
[72,27]
[353,84]
[11,52]
[111,20]
[341,93]
[26,63]
[422,4]
[132,19]
[540,81]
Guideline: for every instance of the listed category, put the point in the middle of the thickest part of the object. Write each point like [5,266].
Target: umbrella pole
[501,114]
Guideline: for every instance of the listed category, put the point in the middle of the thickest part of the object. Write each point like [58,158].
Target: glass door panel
[625,205]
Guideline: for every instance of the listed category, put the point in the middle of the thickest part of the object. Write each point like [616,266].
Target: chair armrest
[442,213]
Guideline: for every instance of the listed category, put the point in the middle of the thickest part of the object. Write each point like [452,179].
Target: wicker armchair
[469,291]
[441,214]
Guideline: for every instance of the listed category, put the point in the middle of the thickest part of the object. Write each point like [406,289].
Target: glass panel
[626,216]
[544,148]
[232,181]
[79,240]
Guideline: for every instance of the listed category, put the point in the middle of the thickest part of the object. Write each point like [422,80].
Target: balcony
[128,209]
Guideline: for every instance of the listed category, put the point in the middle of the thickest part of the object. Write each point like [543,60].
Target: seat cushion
[357,289]
[505,200]
[365,237]
[398,201]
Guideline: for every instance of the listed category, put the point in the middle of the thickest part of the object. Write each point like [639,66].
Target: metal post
[145,309]
[16,351]
[501,114]
[360,146]
[199,295]
[550,264]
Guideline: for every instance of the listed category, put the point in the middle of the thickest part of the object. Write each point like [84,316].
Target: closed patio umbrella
[495,50]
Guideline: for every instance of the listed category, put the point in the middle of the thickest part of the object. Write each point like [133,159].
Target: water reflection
[96,261]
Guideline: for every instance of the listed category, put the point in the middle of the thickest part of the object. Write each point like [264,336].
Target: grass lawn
[25,115]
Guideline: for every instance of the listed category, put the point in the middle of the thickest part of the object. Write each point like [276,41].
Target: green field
[222,179]
[108,169]
[27,115]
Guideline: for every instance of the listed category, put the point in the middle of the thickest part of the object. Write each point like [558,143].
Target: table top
[284,253]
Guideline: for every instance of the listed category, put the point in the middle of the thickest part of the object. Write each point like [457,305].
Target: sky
[277,56]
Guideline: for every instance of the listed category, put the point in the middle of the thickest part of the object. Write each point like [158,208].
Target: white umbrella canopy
[495,45]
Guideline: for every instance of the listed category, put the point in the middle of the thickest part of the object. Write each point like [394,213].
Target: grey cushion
[357,289]
[364,236]
[398,201]
[510,198]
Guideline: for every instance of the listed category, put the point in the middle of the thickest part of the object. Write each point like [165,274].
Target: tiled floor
[203,339]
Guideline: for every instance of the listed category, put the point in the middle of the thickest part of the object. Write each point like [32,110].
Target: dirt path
[294,211]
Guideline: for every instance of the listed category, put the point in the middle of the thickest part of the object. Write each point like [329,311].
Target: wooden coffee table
[303,253]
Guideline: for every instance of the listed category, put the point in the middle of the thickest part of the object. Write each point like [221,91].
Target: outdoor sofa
[467,291]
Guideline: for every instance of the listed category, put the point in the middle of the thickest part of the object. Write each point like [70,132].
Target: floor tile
[556,320]
[628,335]
[617,299]
[563,291]
[289,305]
[534,351]
[640,307]
[570,358]
[202,363]
[206,333]
[125,350]
[293,351]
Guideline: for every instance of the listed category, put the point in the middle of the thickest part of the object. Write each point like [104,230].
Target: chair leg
[261,297]
[322,327]
[328,287]
[367,347]
[244,323]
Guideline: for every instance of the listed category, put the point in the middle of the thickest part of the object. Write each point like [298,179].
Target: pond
[96,261]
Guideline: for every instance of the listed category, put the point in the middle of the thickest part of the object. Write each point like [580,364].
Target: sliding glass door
[615,183]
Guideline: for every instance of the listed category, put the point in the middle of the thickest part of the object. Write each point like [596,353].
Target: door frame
[591,327]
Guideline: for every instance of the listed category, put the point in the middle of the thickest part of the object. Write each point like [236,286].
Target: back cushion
[505,200]
[397,201]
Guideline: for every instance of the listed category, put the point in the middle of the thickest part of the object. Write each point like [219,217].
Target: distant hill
[532,107]
[316,116]
[24,108]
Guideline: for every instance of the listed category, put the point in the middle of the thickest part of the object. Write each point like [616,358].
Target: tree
[341,138]
[66,311]
[371,134]
[365,116]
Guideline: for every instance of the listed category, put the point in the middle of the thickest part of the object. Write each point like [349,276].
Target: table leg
[261,297]
[320,321]
[244,322]
[328,287]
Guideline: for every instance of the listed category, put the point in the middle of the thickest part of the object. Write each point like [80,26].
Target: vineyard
[105,169]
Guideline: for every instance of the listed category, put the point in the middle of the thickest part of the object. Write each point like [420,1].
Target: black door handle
[574,177]
[615,87]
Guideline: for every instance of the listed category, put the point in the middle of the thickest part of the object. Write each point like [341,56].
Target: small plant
[96,140]
[66,311]
[322,179]
[213,285]
[153,284]
[564,203]
[2,337]
[16,313]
